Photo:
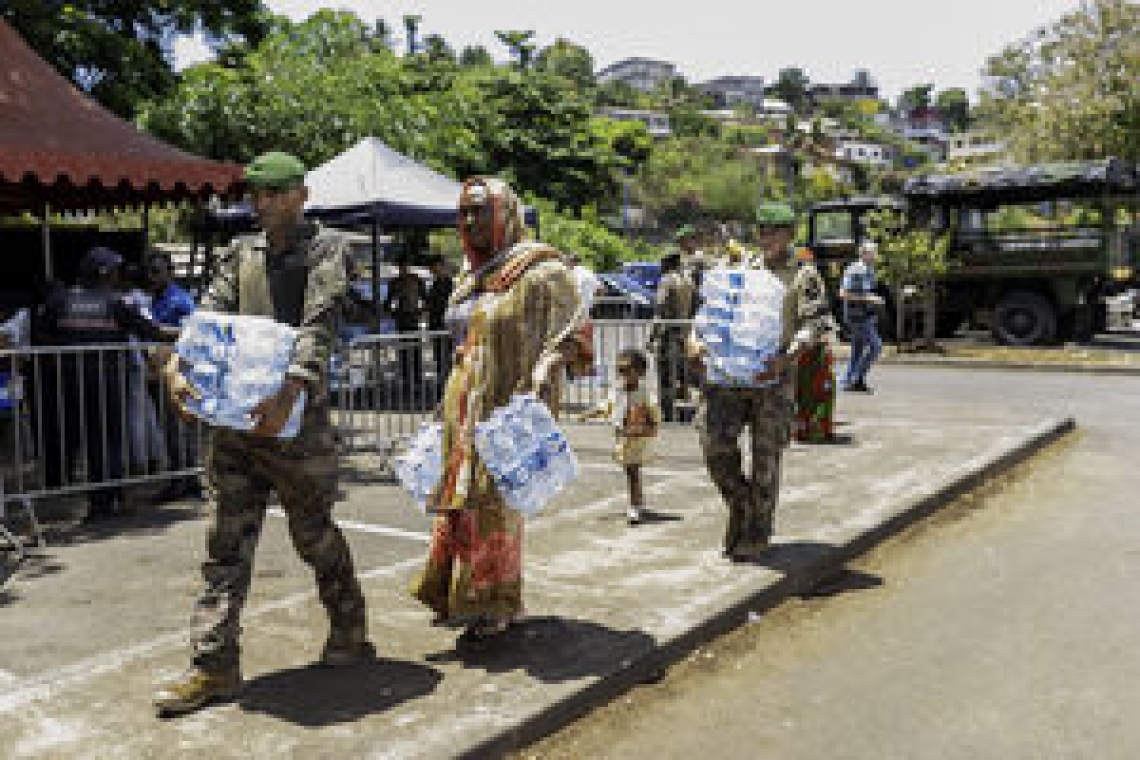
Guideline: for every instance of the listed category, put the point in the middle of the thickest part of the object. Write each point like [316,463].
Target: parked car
[629,292]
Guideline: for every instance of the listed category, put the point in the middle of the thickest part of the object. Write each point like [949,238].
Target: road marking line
[48,685]
[360,527]
[616,468]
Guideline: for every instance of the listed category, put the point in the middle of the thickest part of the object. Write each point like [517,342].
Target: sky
[901,42]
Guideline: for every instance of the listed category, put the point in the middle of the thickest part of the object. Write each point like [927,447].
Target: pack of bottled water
[526,453]
[235,362]
[740,323]
[420,466]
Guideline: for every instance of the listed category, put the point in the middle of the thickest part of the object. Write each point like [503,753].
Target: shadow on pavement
[315,696]
[841,583]
[791,556]
[650,516]
[839,439]
[140,521]
[794,556]
[553,649]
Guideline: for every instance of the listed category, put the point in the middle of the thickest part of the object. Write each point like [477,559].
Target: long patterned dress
[815,395]
[815,369]
[474,566]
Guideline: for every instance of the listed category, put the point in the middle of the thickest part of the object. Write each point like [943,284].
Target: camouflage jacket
[241,285]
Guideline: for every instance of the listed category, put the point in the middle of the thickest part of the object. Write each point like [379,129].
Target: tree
[695,179]
[437,49]
[601,249]
[792,87]
[619,94]
[686,120]
[412,27]
[382,34]
[120,53]
[267,102]
[535,130]
[915,98]
[1069,90]
[474,56]
[911,259]
[570,61]
[629,140]
[519,44]
[954,105]
[532,127]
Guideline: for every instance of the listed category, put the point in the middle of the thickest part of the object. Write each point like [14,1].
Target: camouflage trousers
[672,375]
[240,473]
[721,418]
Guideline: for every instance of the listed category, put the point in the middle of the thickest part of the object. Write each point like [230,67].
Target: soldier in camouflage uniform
[674,302]
[766,411]
[295,273]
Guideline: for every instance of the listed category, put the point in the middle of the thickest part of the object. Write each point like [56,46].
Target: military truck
[1034,251]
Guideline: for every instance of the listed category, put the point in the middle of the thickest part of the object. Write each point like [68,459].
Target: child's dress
[636,418]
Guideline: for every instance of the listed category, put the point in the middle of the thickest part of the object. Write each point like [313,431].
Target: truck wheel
[947,324]
[1024,319]
[1100,318]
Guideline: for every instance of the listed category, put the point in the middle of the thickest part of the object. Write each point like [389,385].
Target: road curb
[803,568]
[1013,366]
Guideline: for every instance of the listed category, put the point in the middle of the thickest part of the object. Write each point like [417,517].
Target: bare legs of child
[636,511]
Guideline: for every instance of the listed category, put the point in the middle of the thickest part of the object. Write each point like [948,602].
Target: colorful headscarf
[506,213]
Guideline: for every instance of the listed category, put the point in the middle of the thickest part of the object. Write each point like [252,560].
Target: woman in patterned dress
[815,367]
[513,316]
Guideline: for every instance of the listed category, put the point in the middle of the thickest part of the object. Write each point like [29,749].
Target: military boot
[347,646]
[732,530]
[196,689]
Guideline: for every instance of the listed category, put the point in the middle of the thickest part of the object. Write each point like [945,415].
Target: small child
[634,413]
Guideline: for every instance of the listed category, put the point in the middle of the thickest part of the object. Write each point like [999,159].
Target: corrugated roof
[59,146]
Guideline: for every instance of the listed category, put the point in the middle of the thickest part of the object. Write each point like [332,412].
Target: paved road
[1007,628]
[98,618]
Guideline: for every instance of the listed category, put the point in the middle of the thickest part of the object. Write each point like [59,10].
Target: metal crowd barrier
[669,376]
[88,418]
[83,419]
[384,386]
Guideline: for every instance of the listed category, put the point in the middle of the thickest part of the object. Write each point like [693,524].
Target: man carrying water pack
[765,407]
[295,273]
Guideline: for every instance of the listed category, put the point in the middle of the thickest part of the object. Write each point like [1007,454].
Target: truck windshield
[833,227]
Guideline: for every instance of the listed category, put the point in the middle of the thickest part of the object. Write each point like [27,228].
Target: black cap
[100,259]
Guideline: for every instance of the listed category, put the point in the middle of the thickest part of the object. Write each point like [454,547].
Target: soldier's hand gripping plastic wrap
[234,363]
[521,445]
[740,324]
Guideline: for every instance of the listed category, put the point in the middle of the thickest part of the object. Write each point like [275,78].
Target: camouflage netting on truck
[1044,181]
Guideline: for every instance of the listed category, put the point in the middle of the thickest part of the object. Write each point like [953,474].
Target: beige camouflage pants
[240,472]
[721,418]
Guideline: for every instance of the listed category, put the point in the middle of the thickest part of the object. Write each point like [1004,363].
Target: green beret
[276,169]
[775,214]
[685,232]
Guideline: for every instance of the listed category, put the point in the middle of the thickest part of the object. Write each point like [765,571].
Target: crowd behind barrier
[80,419]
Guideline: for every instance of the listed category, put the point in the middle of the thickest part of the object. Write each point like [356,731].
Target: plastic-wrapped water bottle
[237,361]
[537,465]
[420,467]
[739,323]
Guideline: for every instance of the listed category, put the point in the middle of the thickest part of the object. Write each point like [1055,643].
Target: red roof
[61,147]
